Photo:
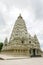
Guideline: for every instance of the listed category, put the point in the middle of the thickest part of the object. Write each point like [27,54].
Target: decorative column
[35,51]
[31,51]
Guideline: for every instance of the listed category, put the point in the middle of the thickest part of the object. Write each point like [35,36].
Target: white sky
[31,11]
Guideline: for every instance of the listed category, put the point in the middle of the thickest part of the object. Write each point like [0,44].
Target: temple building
[21,43]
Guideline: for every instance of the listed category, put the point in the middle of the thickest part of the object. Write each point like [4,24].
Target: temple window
[29,41]
[22,41]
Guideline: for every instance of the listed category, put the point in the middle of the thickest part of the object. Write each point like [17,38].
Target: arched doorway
[34,54]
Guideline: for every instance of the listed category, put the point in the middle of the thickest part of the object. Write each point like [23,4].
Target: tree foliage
[1,45]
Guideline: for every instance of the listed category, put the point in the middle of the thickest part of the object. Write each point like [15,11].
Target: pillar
[35,51]
[31,51]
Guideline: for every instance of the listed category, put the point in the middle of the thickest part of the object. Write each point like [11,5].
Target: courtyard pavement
[21,61]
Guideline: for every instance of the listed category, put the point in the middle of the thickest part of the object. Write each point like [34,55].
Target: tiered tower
[19,34]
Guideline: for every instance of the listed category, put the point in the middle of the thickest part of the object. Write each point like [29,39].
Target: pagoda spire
[20,16]
[19,29]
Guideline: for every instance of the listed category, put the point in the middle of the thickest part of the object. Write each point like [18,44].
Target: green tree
[1,45]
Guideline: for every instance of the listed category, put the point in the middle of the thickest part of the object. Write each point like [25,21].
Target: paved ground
[30,61]
[22,61]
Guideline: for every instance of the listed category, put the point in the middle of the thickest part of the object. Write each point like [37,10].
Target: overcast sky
[31,11]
